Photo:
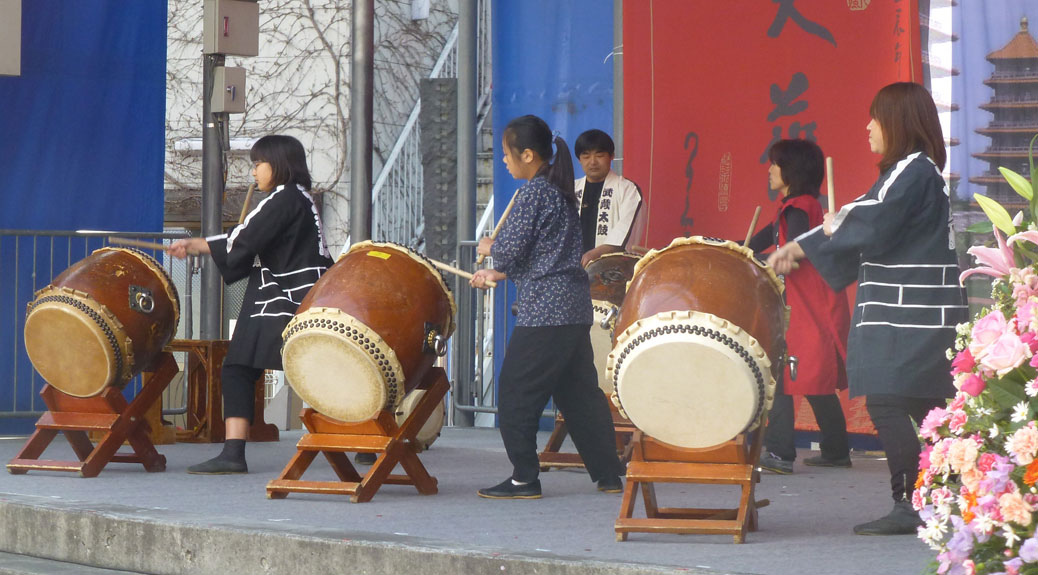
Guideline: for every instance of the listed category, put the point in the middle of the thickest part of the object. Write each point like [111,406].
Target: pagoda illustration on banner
[1014,107]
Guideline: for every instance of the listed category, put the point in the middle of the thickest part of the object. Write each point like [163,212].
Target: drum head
[687,384]
[339,366]
[431,430]
[602,344]
[69,349]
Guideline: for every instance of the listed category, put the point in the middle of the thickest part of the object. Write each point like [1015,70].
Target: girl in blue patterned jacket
[549,354]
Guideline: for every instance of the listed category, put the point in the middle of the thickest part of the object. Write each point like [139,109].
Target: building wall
[300,85]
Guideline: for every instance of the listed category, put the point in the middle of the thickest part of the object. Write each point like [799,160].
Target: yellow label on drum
[378,254]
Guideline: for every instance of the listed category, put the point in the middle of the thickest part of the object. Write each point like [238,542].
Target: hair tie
[554,136]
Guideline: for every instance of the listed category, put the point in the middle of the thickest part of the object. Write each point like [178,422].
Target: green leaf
[981,228]
[1019,183]
[996,213]
[1006,394]
[1034,180]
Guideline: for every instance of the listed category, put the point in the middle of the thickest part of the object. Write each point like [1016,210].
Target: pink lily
[995,262]
[1029,236]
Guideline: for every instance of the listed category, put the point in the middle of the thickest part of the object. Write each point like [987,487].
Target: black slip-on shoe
[217,466]
[365,458]
[902,520]
[771,462]
[819,461]
[611,484]
[508,490]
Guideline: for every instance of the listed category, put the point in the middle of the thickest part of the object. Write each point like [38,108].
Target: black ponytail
[531,132]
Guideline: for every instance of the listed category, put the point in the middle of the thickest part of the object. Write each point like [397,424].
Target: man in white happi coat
[611,218]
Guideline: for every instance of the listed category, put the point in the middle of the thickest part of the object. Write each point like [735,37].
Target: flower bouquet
[976,489]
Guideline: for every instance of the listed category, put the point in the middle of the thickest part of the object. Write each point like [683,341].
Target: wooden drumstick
[135,243]
[497,228]
[829,183]
[753,226]
[245,204]
[458,272]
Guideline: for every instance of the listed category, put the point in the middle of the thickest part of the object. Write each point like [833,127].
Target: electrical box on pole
[228,90]
[10,37]
[231,27]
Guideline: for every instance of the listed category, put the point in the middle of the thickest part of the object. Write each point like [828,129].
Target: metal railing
[396,197]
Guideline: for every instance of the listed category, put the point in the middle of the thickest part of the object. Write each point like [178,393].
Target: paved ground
[805,530]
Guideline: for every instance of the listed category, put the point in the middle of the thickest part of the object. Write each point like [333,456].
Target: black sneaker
[775,464]
[365,458]
[508,490]
[902,520]
[217,466]
[819,461]
[611,484]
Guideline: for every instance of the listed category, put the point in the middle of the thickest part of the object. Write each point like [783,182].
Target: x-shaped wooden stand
[552,457]
[108,414]
[731,463]
[381,435]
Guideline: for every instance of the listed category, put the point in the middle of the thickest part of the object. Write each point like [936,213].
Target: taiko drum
[701,326]
[368,331]
[101,321]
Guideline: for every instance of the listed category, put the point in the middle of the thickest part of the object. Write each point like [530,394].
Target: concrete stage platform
[176,523]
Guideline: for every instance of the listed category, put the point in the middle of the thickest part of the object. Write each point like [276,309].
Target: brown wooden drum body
[101,321]
[701,326]
[367,331]
[608,276]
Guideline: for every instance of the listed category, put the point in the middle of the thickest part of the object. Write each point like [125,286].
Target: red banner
[708,86]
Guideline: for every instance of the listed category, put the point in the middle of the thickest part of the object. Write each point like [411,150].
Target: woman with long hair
[549,354]
[897,241]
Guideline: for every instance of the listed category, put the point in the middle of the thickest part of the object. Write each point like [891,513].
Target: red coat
[819,318]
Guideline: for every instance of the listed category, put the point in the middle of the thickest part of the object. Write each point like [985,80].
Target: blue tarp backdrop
[81,146]
[551,59]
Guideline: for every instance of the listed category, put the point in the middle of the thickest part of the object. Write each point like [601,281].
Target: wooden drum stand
[731,463]
[108,415]
[552,457]
[381,435]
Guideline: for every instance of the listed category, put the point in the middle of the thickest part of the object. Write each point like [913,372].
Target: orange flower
[921,480]
[1031,476]
[967,516]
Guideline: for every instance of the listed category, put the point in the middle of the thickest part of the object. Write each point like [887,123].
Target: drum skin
[699,343]
[369,320]
[101,321]
[608,276]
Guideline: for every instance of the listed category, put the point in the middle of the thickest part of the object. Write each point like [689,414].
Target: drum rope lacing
[92,314]
[735,346]
[389,376]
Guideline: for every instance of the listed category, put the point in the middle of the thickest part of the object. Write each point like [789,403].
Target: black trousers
[555,362]
[778,438]
[892,415]
[239,390]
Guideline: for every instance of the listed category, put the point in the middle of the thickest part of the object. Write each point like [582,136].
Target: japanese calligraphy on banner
[709,86]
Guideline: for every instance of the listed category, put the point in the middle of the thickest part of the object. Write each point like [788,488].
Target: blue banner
[551,59]
[82,144]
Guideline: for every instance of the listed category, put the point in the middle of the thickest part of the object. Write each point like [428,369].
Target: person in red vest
[819,317]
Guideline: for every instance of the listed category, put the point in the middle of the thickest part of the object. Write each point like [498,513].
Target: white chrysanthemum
[1020,412]
[1031,388]
[983,524]
[994,431]
[1010,536]
[933,534]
